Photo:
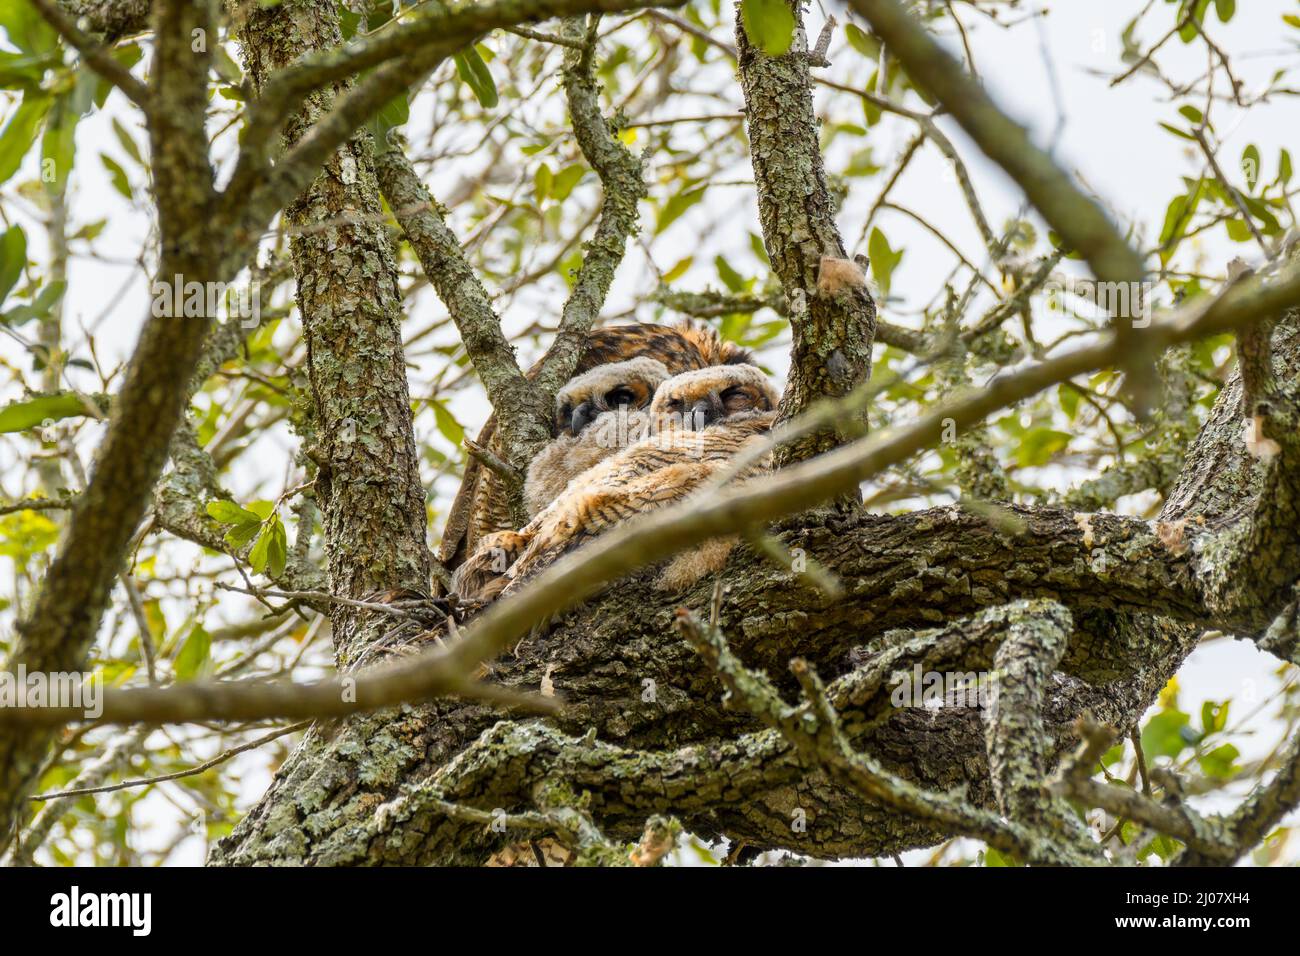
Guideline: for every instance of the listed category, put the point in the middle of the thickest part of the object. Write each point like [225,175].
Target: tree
[289,149]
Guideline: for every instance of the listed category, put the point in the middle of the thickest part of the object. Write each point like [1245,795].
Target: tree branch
[832,315]
[95,54]
[58,631]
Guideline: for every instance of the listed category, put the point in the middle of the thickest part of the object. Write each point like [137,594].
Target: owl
[480,507]
[700,420]
[597,414]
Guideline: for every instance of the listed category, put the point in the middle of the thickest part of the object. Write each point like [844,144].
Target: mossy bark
[361,434]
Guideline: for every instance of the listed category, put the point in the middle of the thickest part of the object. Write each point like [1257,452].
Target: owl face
[628,386]
[695,400]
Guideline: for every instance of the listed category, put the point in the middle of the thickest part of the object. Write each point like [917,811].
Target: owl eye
[736,396]
[563,416]
[619,396]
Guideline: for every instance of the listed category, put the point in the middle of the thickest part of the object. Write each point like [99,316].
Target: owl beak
[704,413]
[583,416]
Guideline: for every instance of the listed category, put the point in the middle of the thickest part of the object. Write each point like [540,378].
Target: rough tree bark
[360,433]
[832,315]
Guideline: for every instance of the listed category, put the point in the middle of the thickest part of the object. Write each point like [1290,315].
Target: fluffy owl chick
[697,400]
[597,414]
[702,419]
[481,506]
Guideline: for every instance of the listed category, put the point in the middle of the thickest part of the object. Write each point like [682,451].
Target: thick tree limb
[621,178]
[517,402]
[815,731]
[832,315]
[113,19]
[1019,745]
[363,440]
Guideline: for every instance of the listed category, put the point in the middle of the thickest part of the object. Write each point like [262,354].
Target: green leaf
[263,509]
[883,259]
[1038,445]
[23,71]
[1069,400]
[543,179]
[1177,132]
[1250,166]
[394,113]
[862,41]
[117,174]
[90,231]
[1192,113]
[278,550]
[39,308]
[195,654]
[26,28]
[227,512]
[672,210]
[1174,219]
[19,416]
[128,56]
[730,277]
[59,144]
[1167,734]
[127,141]
[1190,30]
[1221,762]
[769,24]
[451,429]
[1214,717]
[1165,847]
[566,179]
[241,534]
[475,73]
[13,258]
[20,133]
[271,548]
[679,270]
[993,858]
[1284,167]
[1225,9]
[1238,231]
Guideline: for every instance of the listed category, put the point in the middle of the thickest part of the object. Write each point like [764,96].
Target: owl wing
[482,576]
[584,514]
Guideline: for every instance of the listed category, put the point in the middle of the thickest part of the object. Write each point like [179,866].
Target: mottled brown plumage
[480,507]
[702,419]
[597,414]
